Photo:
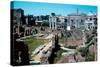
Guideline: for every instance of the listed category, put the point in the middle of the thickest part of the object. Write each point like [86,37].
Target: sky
[40,8]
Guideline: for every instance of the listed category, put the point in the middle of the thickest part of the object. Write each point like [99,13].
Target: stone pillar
[55,23]
[26,20]
[50,22]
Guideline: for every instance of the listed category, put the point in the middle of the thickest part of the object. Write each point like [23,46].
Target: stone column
[55,23]
[26,20]
[50,22]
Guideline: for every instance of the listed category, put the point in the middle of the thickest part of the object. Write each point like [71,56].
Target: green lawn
[61,40]
[90,57]
[33,43]
[58,55]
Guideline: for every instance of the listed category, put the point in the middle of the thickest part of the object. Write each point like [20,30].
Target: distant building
[30,20]
[80,21]
[17,16]
[52,22]
[91,21]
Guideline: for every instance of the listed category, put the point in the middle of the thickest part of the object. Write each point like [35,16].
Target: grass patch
[71,47]
[90,57]
[58,55]
[61,40]
[33,43]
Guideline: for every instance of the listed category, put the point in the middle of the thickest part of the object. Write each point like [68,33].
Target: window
[82,20]
[72,20]
[65,20]
[90,18]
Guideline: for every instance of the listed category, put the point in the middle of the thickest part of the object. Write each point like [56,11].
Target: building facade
[80,21]
[17,16]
